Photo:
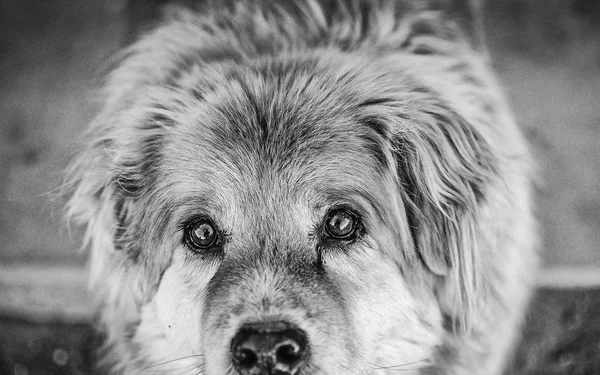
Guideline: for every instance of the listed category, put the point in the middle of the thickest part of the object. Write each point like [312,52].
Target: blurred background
[52,53]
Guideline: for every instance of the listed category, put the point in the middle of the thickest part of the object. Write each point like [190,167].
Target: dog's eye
[341,224]
[201,234]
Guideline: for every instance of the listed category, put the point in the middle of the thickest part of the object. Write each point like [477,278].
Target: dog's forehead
[277,133]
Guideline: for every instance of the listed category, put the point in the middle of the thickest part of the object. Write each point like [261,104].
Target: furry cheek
[170,327]
[394,329]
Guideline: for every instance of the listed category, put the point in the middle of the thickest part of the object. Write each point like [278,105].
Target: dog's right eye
[201,234]
[341,224]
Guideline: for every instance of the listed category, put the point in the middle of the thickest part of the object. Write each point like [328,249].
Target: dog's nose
[269,348]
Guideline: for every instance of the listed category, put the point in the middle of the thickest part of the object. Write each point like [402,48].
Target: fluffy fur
[263,115]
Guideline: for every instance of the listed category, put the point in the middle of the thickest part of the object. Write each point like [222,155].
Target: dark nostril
[288,352]
[260,348]
[246,358]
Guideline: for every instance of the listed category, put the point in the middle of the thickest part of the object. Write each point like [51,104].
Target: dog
[306,187]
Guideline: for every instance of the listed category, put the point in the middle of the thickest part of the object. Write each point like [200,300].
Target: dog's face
[273,202]
[263,211]
[265,217]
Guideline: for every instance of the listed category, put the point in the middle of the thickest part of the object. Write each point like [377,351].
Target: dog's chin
[385,328]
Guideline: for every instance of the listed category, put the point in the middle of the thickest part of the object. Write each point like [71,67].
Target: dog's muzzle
[277,348]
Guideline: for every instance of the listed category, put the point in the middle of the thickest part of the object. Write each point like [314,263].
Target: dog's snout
[269,348]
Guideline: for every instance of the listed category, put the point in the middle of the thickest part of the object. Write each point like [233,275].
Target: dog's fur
[263,115]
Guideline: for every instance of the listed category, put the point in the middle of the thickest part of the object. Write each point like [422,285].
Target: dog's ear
[435,20]
[466,15]
[446,19]
[445,167]
[95,203]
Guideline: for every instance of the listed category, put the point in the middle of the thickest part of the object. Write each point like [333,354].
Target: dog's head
[307,212]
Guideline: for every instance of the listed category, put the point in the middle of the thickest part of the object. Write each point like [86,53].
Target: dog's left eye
[341,224]
[201,234]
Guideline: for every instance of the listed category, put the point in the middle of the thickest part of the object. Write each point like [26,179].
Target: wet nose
[277,348]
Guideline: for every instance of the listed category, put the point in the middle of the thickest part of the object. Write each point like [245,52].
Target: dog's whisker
[199,368]
[400,369]
[172,361]
[397,367]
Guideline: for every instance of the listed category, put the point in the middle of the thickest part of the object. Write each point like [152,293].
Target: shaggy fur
[266,115]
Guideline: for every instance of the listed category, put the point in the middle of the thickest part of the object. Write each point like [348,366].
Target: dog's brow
[360,199]
[193,205]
